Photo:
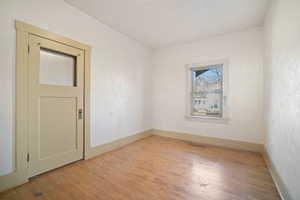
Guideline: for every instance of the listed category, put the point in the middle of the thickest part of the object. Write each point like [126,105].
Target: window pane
[207,91]
[57,68]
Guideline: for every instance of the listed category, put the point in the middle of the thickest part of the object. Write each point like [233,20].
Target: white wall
[244,50]
[282,88]
[120,71]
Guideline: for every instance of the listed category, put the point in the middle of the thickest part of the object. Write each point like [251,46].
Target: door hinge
[80,113]
[28,157]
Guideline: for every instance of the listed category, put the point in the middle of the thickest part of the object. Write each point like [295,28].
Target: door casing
[20,162]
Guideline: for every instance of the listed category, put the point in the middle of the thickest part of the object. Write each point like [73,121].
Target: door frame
[20,172]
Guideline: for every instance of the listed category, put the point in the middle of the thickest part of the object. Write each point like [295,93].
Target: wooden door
[56,91]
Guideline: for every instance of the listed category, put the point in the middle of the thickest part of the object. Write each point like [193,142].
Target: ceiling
[159,23]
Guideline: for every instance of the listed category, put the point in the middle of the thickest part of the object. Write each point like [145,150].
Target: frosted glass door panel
[57,68]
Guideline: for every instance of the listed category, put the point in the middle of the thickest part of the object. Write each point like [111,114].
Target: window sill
[223,120]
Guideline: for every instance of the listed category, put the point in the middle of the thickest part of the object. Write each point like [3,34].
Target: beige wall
[282,91]
[119,68]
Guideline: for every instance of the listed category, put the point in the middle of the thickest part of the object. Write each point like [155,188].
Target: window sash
[217,109]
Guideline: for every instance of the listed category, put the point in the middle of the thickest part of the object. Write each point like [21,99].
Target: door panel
[58,134]
[55,98]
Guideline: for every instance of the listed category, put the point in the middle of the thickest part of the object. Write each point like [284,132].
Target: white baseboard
[13,179]
[281,187]
[233,144]
[116,144]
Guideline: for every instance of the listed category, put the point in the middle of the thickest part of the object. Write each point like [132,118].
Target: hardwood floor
[156,168]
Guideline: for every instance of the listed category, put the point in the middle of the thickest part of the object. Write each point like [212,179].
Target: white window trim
[189,67]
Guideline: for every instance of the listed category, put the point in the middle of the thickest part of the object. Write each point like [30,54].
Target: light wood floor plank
[156,168]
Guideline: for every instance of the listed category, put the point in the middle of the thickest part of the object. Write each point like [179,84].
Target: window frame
[189,88]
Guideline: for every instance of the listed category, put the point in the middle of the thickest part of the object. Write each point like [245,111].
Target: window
[207,90]
[57,68]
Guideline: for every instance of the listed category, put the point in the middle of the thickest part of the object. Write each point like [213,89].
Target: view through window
[207,91]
